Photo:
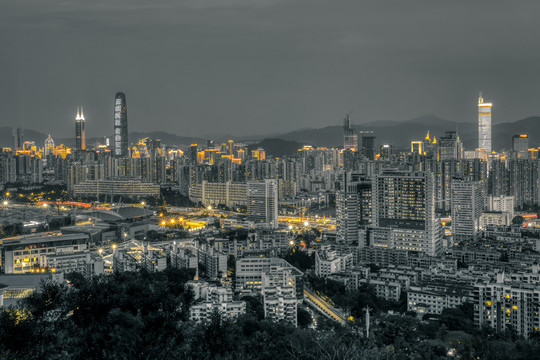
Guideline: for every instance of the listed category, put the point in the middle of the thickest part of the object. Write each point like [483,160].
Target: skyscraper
[450,146]
[262,205]
[404,203]
[368,146]
[353,206]
[120,125]
[18,138]
[467,207]
[80,132]
[350,138]
[49,146]
[484,125]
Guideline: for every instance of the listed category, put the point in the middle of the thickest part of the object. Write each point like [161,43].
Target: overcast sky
[241,67]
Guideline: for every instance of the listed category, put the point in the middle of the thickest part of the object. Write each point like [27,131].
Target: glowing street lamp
[100,251]
[5,203]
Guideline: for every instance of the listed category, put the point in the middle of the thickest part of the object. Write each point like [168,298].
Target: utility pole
[367,310]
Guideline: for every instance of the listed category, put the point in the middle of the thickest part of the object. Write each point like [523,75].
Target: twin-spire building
[120,143]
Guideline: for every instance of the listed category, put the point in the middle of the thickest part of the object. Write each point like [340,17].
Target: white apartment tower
[262,207]
[467,207]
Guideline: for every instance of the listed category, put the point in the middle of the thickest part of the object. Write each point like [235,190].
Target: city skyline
[193,64]
[297,179]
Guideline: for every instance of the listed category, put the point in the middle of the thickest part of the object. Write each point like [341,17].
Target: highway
[322,306]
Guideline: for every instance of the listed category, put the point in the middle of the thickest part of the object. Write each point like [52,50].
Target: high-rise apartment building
[450,146]
[120,126]
[404,203]
[353,206]
[80,131]
[508,304]
[467,207]
[484,125]
[501,204]
[523,182]
[520,146]
[262,205]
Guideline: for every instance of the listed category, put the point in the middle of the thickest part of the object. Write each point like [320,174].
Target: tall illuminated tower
[484,125]
[120,125]
[80,132]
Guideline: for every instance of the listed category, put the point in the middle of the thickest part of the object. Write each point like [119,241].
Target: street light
[114,246]
[290,227]
[306,223]
[100,251]
[143,203]
[5,203]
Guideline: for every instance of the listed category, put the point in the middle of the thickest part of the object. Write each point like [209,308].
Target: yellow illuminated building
[484,124]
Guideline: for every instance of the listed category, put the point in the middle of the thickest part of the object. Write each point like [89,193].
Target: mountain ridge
[398,133]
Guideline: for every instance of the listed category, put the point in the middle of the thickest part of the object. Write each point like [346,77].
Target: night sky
[242,67]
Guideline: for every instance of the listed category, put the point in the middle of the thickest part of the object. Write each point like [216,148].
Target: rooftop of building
[42,237]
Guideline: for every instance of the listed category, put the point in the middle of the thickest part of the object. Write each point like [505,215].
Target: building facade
[120,126]
[484,125]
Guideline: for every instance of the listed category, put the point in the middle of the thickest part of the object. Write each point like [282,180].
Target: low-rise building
[280,304]
[250,272]
[211,299]
[426,300]
[329,262]
[30,253]
[130,188]
[384,289]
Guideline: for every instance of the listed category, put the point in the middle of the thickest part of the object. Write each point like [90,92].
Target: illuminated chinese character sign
[120,125]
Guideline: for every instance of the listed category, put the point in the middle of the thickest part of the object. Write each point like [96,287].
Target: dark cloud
[200,67]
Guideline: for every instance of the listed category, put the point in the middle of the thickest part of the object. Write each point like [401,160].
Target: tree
[304,317]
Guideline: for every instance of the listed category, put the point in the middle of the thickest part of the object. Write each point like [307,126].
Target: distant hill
[401,133]
[277,147]
[398,133]
[6,138]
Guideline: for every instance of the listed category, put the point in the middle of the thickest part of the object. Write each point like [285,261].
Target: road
[322,306]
